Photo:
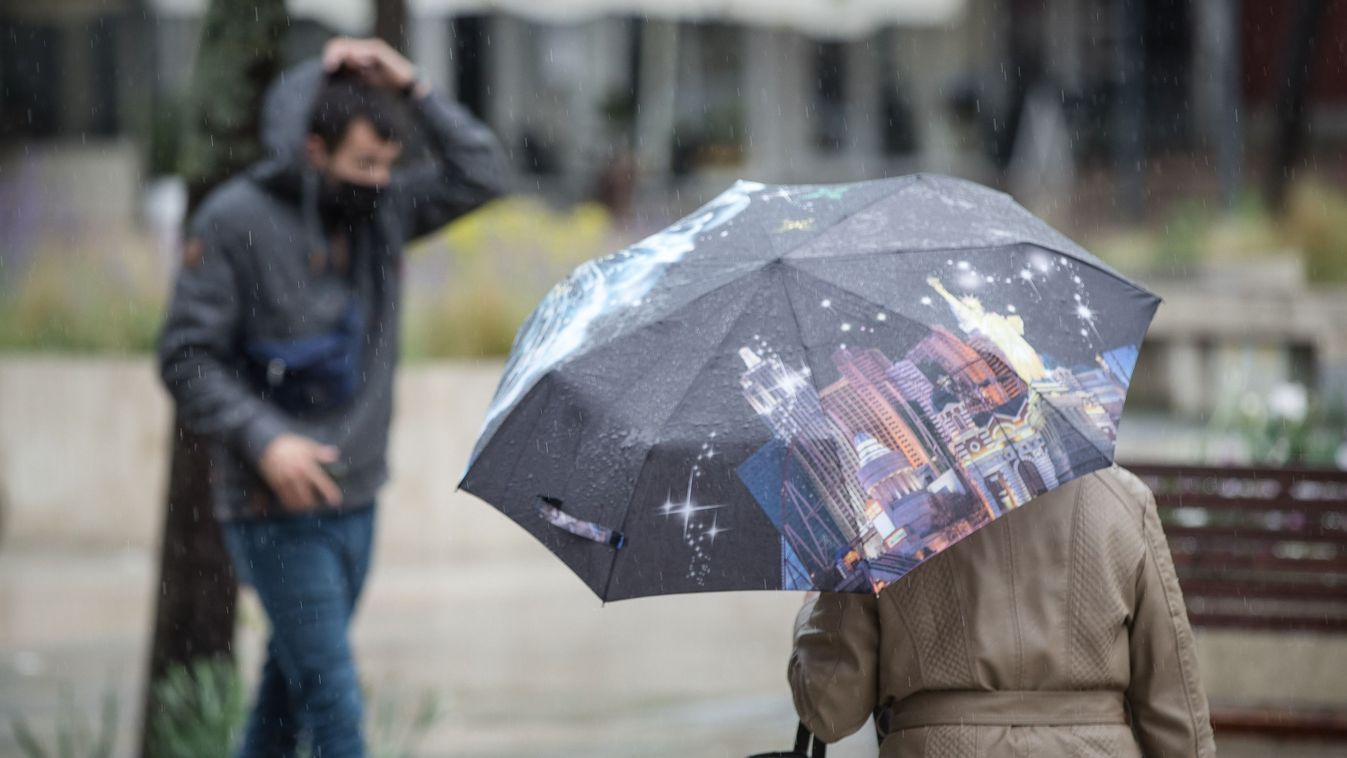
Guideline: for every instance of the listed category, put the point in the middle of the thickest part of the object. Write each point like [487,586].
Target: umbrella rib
[586,350]
[795,316]
[1102,268]
[1073,426]
[948,455]
[862,298]
[912,179]
[736,274]
[537,418]
[715,353]
[589,348]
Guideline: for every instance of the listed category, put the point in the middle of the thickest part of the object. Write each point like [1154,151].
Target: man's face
[361,157]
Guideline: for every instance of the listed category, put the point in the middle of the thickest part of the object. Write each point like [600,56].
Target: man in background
[280,346]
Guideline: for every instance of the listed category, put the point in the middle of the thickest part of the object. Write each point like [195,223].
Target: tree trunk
[1297,69]
[390,23]
[238,57]
[1129,110]
[1218,104]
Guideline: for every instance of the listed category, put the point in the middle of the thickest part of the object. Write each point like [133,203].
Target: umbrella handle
[549,508]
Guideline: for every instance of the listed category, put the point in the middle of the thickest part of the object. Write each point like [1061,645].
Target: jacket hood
[285,123]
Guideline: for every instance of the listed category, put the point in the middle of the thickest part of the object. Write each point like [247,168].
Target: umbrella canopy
[808,387]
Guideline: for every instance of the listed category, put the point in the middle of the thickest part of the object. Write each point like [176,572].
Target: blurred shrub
[394,727]
[165,129]
[501,260]
[469,287]
[65,302]
[203,713]
[73,737]
[1314,227]
[1316,223]
[1288,424]
[201,710]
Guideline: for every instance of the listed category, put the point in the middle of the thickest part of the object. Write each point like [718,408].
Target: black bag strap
[802,739]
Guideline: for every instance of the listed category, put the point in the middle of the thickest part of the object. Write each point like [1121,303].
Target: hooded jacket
[259,267]
[1056,630]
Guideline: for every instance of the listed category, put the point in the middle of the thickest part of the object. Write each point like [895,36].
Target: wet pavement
[522,659]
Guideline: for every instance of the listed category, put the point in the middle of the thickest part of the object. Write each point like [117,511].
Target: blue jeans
[307,571]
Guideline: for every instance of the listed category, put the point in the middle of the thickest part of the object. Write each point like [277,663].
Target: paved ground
[524,661]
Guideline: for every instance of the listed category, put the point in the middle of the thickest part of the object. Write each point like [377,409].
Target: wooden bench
[1260,549]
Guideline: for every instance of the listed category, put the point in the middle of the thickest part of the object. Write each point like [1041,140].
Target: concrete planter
[84,456]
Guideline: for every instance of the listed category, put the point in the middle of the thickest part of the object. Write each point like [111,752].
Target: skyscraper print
[900,457]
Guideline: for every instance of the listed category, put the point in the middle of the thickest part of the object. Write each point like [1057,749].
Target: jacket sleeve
[198,338]
[833,669]
[467,170]
[1169,707]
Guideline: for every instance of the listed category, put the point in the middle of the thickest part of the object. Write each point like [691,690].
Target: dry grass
[493,268]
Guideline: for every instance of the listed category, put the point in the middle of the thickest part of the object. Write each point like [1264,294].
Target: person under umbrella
[1058,630]
[827,387]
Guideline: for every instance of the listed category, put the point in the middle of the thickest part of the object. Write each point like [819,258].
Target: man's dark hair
[342,100]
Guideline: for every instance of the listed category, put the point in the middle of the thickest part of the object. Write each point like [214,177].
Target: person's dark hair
[342,100]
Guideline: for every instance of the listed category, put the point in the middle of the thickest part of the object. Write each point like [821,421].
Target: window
[709,129]
[830,96]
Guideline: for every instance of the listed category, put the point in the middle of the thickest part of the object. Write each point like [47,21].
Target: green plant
[1313,226]
[68,299]
[201,710]
[73,737]
[165,129]
[618,107]
[1316,223]
[1286,426]
[394,729]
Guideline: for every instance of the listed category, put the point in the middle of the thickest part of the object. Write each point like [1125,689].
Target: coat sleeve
[833,670]
[467,170]
[199,337]
[1169,707]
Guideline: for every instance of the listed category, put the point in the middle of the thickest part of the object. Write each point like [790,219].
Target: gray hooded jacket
[257,267]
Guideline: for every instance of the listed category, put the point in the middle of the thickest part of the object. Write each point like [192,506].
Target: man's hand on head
[377,63]
[292,466]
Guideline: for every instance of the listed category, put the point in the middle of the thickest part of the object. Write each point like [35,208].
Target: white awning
[344,16]
[820,18]
[825,18]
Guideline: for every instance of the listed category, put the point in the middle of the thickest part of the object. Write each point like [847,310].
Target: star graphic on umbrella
[797,225]
[688,507]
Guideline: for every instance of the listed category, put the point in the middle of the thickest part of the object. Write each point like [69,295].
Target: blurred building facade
[1090,113]
[678,91]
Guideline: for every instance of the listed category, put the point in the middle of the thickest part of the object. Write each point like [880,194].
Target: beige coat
[1043,634]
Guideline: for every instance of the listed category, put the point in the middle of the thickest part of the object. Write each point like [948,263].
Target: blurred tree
[390,23]
[1297,70]
[239,55]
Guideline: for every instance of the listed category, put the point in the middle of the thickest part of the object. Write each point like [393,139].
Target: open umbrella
[808,387]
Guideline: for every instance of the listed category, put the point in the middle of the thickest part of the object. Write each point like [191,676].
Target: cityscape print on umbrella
[808,387]
[903,456]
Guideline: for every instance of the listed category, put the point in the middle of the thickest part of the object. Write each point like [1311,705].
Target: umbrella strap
[549,508]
